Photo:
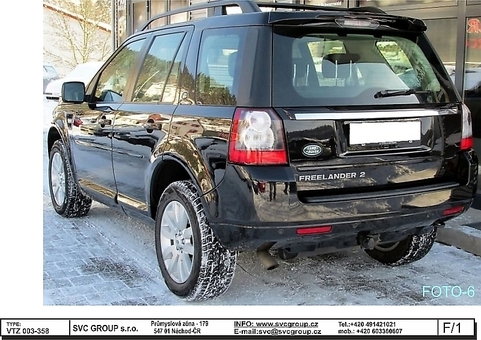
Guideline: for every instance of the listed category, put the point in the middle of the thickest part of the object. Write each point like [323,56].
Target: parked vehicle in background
[49,74]
[82,72]
[288,132]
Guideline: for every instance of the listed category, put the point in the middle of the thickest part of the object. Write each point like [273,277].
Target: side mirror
[73,92]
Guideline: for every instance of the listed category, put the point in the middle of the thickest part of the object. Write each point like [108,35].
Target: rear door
[369,113]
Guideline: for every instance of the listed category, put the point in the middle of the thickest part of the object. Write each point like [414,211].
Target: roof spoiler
[219,7]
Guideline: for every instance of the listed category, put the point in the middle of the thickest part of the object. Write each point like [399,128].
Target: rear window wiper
[394,93]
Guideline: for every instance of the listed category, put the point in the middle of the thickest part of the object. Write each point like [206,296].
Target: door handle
[150,125]
[104,121]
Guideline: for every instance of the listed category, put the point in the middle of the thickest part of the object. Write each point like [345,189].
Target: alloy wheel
[386,247]
[177,242]
[57,179]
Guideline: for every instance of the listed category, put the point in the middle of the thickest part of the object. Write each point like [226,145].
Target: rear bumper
[343,234]
[261,204]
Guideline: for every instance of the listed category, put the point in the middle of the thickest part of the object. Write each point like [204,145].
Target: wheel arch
[53,135]
[56,133]
[168,169]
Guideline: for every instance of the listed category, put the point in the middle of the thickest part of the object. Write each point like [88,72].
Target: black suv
[298,129]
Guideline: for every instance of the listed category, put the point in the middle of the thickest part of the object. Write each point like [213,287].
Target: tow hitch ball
[368,241]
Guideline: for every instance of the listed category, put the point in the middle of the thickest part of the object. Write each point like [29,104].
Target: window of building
[157,80]
[472,73]
[442,34]
[181,16]
[121,22]
[340,3]
[158,7]
[147,9]
[336,3]
[139,14]
[389,3]
[113,80]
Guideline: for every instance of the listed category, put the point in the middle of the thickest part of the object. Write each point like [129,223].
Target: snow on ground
[343,278]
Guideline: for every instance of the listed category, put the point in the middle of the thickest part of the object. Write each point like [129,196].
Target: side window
[399,62]
[218,66]
[157,81]
[409,63]
[113,80]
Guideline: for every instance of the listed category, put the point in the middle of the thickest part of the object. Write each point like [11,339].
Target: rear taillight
[467,141]
[257,138]
[453,211]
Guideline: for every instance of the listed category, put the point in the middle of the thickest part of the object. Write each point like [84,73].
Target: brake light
[358,23]
[257,138]
[467,141]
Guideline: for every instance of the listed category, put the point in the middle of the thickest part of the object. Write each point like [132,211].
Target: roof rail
[218,6]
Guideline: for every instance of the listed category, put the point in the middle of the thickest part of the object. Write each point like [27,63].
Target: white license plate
[384,132]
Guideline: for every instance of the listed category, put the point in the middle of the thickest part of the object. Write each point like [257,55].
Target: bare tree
[76,32]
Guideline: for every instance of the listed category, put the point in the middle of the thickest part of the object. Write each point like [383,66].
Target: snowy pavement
[106,258]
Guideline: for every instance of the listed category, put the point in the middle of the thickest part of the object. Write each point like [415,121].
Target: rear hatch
[369,107]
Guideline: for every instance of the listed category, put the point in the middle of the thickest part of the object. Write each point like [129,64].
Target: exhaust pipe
[265,257]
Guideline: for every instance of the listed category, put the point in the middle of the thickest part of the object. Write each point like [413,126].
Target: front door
[91,125]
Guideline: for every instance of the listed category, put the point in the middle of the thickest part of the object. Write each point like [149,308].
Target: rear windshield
[354,69]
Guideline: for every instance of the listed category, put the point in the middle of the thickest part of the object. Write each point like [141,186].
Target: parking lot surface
[108,259]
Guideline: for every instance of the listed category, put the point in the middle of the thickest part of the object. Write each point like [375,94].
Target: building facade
[454,28]
[62,33]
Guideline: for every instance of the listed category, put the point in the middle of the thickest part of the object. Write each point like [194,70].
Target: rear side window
[330,69]
[157,81]
[218,66]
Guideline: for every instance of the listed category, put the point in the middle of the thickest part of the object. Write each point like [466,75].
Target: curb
[461,236]
[467,234]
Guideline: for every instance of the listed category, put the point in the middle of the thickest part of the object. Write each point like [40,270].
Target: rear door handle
[104,121]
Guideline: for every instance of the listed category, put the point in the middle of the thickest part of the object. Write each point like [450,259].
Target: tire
[194,264]
[67,198]
[411,249]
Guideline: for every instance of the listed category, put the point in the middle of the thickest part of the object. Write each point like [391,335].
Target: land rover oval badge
[312,150]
